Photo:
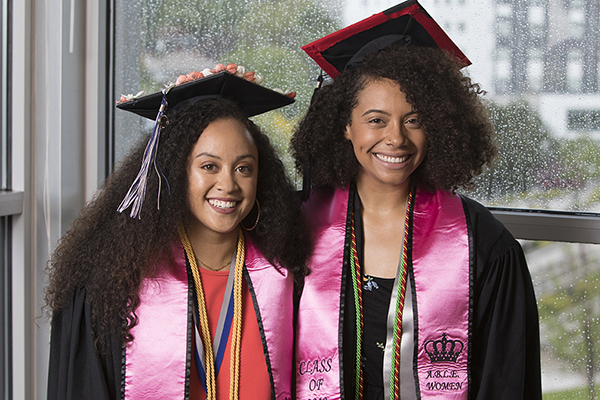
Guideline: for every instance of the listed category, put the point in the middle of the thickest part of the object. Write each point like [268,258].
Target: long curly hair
[460,136]
[108,253]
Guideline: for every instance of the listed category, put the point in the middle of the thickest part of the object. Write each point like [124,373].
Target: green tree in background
[536,170]
[203,26]
[579,159]
[264,36]
[271,36]
[570,313]
[580,170]
[524,152]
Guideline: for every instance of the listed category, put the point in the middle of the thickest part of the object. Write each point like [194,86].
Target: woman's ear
[347,132]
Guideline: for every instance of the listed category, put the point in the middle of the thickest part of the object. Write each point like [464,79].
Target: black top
[377,293]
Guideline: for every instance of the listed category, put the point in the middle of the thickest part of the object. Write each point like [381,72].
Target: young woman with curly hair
[415,292]
[137,303]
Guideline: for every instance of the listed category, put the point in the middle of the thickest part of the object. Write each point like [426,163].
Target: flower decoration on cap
[233,69]
[128,97]
[237,70]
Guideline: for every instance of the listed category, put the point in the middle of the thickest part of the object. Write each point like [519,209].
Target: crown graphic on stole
[443,349]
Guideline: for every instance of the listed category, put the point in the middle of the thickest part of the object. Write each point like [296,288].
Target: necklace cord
[208,267]
[357,287]
[234,364]
[395,370]
[236,342]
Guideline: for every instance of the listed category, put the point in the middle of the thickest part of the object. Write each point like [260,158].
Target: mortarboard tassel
[137,192]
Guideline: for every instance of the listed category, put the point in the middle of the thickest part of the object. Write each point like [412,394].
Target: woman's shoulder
[480,216]
[490,237]
[326,207]
[320,196]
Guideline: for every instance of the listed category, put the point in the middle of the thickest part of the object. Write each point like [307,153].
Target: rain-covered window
[538,61]
[158,40]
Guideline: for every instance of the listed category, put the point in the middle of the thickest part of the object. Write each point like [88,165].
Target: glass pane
[164,39]
[537,60]
[566,278]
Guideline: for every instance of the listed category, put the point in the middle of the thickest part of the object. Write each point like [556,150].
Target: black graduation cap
[408,22]
[254,99]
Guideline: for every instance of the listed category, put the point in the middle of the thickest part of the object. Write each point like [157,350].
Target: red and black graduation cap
[252,98]
[408,23]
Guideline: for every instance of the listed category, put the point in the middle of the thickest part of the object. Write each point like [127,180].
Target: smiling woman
[427,296]
[180,301]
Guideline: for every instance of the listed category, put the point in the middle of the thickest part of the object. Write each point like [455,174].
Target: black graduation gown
[77,371]
[505,355]
[505,332]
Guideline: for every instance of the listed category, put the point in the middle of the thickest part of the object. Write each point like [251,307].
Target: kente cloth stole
[439,265]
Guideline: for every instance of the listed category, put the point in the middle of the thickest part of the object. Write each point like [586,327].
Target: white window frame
[35,30]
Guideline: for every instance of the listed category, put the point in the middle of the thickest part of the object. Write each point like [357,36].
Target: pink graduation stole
[441,275]
[318,327]
[156,361]
[440,259]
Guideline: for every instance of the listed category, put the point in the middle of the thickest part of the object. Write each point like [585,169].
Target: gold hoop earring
[257,218]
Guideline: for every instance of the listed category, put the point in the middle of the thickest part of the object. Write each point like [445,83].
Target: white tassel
[137,192]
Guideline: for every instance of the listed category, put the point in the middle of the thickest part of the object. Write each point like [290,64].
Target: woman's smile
[223,206]
[391,159]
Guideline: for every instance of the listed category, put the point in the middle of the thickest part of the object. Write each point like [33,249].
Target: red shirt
[254,377]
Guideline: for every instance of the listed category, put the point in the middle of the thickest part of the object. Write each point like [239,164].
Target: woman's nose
[396,135]
[226,181]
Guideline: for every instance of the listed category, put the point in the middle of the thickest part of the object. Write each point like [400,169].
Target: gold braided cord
[234,363]
[236,335]
[211,387]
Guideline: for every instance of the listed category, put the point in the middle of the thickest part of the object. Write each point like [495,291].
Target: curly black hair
[460,136]
[108,253]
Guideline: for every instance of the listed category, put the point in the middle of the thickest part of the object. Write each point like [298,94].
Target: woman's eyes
[414,122]
[209,167]
[212,167]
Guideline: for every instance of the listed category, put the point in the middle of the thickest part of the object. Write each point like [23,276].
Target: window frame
[11,203]
[553,226]
[30,344]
